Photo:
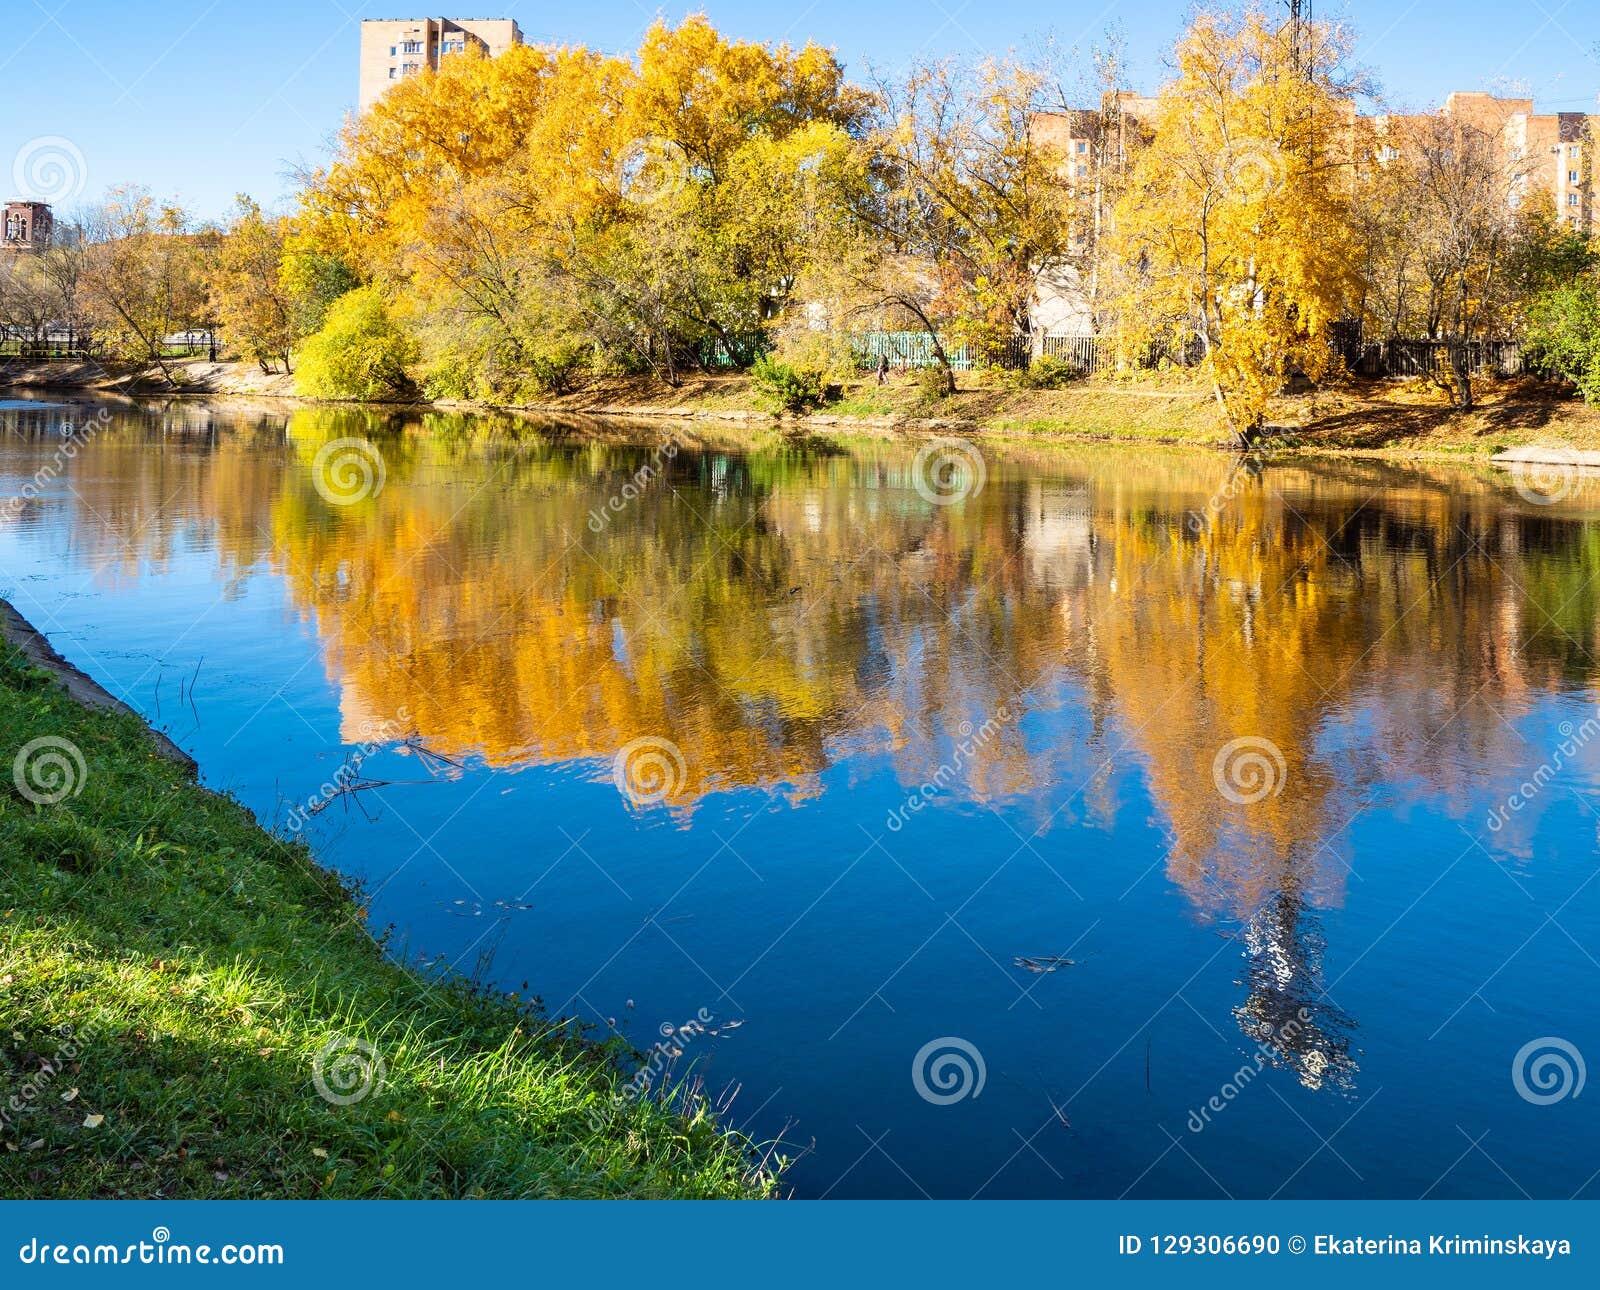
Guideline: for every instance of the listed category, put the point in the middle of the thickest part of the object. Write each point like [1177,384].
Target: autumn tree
[968,208]
[552,202]
[248,297]
[142,273]
[1236,221]
[1465,189]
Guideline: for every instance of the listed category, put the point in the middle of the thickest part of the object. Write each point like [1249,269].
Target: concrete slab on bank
[1547,455]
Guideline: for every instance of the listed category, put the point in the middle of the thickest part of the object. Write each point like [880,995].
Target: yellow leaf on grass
[93,1121]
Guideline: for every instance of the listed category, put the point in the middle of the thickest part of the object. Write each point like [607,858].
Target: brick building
[395,48]
[26,226]
[1552,150]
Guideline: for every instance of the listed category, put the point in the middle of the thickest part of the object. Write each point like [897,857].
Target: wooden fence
[1427,357]
[1090,354]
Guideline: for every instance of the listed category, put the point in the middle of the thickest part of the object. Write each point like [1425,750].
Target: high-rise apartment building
[395,48]
[1551,150]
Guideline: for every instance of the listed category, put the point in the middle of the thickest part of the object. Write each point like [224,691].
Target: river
[1003,821]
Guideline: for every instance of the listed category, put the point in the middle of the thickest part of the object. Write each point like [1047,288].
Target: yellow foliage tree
[248,298]
[1235,227]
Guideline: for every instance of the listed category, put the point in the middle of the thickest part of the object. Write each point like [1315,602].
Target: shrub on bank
[790,388]
[933,385]
[1564,335]
[1047,373]
[360,353]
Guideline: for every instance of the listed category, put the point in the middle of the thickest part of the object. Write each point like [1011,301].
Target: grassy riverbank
[1382,418]
[170,973]
[1402,419]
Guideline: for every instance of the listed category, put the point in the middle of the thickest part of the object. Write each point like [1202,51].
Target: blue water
[1232,833]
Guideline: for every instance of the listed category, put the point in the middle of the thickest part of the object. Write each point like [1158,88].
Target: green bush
[1564,335]
[793,389]
[933,384]
[360,353]
[555,368]
[1046,373]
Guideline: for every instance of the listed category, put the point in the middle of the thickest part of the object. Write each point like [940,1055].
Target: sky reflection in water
[980,780]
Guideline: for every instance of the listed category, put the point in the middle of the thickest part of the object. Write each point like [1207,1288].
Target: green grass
[169,973]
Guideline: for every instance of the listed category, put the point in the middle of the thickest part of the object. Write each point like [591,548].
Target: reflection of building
[28,226]
[395,48]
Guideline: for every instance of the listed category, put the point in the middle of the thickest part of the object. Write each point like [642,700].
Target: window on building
[392,51]
[1082,171]
[1572,151]
[410,69]
[1572,176]
[411,47]
[1572,199]
[392,73]
[1082,147]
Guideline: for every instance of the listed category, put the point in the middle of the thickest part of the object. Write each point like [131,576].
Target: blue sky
[202,100]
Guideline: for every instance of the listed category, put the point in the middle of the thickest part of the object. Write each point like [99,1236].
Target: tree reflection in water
[776,608]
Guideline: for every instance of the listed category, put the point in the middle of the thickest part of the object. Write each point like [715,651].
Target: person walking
[883,369]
